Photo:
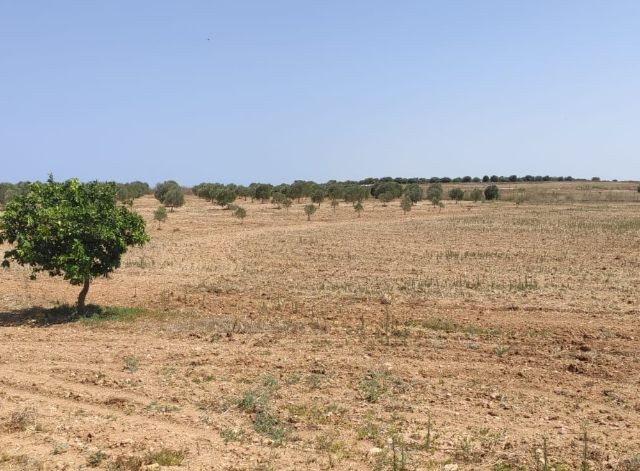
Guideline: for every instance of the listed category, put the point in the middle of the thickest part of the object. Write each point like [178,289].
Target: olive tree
[174,198]
[225,197]
[406,204]
[70,229]
[491,192]
[160,215]
[240,213]
[358,208]
[413,192]
[456,194]
[317,195]
[476,195]
[434,193]
[310,210]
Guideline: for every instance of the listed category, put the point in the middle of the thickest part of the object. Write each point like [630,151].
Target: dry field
[464,338]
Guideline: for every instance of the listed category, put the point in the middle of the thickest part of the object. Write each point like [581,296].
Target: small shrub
[95,459]
[476,195]
[166,457]
[131,364]
[160,215]
[434,193]
[406,204]
[240,213]
[358,208]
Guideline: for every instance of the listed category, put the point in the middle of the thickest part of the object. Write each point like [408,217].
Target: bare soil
[467,336]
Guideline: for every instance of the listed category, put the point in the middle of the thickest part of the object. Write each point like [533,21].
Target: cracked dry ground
[461,337]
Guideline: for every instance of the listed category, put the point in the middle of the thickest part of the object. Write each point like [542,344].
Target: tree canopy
[70,229]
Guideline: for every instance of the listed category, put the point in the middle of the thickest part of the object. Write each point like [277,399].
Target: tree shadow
[42,317]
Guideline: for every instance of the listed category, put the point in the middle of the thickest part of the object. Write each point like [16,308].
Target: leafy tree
[335,191]
[476,195]
[174,198]
[434,193]
[413,192]
[385,197]
[485,179]
[163,188]
[70,229]
[240,213]
[491,192]
[334,204]
[243,192]
[317,196]
[277,199]
[391,187]
[358,208]
[406,204]
[298,189]
[354,193]
[310,210]
[225,197]
[262,192]
[456,194]
[160,215]
[287,203]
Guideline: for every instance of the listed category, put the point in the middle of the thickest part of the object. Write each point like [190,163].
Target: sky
[273,91]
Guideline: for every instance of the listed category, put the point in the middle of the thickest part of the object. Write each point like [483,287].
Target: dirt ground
[478,336]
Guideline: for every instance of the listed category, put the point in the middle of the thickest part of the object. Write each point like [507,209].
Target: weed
[131,364]
[21,419]
[230,435]
[166,457]
[267,424]
[95,459]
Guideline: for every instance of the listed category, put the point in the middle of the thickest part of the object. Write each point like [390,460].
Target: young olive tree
[406,204]
[413,192]
[286,203]
[310,210]
[456,194]
[358,208]
[476,195]
[70,229]
[240,213]
[334,204]
[160,215]
[174,198]
[317,196]
[434,193]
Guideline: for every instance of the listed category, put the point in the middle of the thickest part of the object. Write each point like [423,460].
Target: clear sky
[241,91]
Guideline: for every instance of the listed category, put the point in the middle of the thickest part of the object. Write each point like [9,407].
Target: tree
[476,195]
[163,188]
[70,229]
[491,192]
[225,197]
[385,197]
[174,198]
[262,192]
[354,194]
[317,196]
[358,208]
[334,205]
[434,193]
[456,194]
[309,210]
[406,204]
[391,187]
[277,199]
[287,203]
[638,188]
[160,215]
[240,213]
[413,192]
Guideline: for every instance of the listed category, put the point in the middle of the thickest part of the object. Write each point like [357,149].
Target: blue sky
[241,91]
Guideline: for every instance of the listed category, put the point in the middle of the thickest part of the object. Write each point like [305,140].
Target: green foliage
[310,210]
[133,190]
[434,193]
[286,203]
[456,194]
[317,196]
[277,199]
[394,189]
[335,191]
[406,204]
[262,191]
[491,192]
[354,193]
[225,197]
[9,191]
[334,204]
[174,198]
[240,213]
[476,195]
[638,188]
[160,215]
[413,192]
[385,197]
[163,188]
[70,229]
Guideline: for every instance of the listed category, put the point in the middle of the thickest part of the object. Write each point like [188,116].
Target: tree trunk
[82,296]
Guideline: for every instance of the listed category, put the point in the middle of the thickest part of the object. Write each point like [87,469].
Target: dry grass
[462,335]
